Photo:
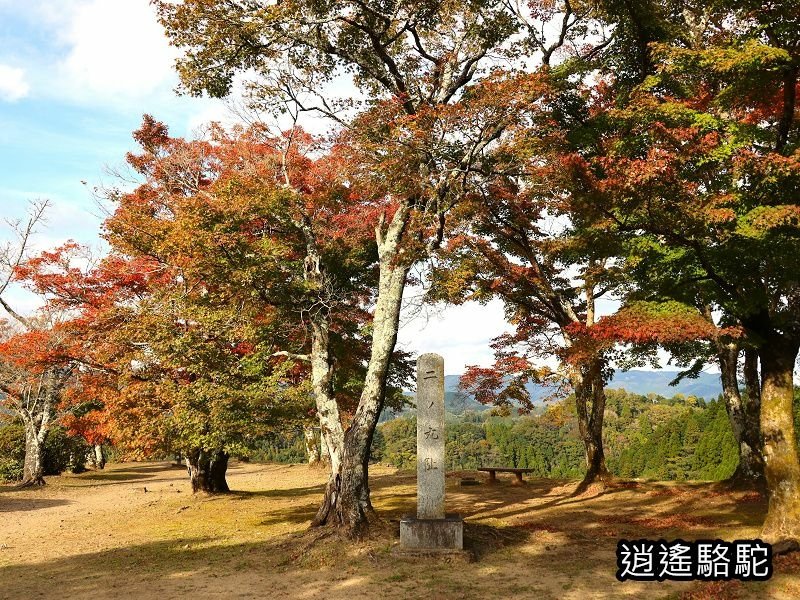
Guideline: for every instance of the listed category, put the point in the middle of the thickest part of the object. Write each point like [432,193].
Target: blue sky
[75,78]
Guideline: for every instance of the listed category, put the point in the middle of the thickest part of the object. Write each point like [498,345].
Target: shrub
[12,451]
[61,452]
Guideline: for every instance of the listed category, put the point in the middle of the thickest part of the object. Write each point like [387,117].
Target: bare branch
[13,255]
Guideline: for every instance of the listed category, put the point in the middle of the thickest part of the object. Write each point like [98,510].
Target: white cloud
[209,111]
[117,51]
[13,85]
[461,334]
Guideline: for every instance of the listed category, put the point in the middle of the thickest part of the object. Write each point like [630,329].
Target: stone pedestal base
[432,534]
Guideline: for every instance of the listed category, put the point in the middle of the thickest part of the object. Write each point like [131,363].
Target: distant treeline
[288,447]
[676,438]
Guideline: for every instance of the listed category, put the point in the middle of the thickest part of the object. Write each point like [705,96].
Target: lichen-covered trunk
[347,502]
[207,470]
[33,466]
[353,508]
[347,499]
[36,429]
[324,451]
[331,432]
[590,403]
[781,465]
[750,469]
[37,419]
[330,423]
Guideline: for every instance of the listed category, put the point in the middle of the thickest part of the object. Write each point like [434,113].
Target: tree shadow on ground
[155,467]
[532,541]
[26,504]
[281,492]
[299,514]
[209,567]
[636,512]
[319,563]
[116,476]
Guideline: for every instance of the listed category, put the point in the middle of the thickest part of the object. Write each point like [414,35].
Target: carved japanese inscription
[430,437]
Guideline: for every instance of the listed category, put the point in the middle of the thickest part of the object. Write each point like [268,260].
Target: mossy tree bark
[781,464]
[322,373]
[590,402]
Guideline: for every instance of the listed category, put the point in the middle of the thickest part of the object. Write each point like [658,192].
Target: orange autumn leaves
[655,323]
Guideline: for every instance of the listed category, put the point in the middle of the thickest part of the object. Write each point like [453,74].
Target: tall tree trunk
[348,504]
[751,468]
[312,450]
[36,428]
[207,470]
[331,432]
[590,389]
[99,457]
[33,467]
[752,408]
[330,424]
[781,465]
[353,507]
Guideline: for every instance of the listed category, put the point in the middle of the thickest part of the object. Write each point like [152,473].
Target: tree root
[30,483]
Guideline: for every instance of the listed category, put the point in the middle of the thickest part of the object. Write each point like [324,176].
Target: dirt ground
[136,531]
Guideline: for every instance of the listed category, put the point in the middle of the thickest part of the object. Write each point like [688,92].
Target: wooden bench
[494,470]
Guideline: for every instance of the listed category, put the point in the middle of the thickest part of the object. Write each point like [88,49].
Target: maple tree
[230,286]
[695,338]
[218,259]
[517,242]
[415,62]
[256,278]
[697,172]
[35,370]
[85,416]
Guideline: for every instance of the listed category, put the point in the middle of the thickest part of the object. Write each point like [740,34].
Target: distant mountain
[707,386]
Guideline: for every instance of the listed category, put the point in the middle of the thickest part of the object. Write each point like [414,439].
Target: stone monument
[431,529]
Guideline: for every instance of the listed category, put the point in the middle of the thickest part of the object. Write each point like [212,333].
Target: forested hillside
[678,438]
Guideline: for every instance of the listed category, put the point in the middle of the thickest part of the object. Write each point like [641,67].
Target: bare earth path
[101,535]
